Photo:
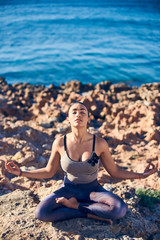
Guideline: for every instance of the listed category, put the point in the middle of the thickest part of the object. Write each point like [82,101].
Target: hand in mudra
[150,169]
[12,168]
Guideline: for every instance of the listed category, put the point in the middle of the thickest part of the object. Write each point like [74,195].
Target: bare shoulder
[101,143]
[58,142]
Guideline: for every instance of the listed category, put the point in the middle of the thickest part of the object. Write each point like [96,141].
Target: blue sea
[53,42]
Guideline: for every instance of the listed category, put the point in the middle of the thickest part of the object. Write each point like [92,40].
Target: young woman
[79,153]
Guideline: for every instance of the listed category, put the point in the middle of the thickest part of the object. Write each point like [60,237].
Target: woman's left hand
[149,170]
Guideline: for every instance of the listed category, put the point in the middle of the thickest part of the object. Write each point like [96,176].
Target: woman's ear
[67,119]
[88,122]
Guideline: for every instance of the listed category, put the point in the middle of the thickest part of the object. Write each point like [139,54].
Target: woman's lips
[78,120]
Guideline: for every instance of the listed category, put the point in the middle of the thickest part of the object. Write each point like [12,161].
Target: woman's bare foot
[73,203]
[70,203]
[99,218]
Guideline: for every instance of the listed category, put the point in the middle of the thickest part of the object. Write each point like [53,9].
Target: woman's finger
[9,169]
[11,163]
[148,171]
[11,166]
[148,167]
[155,168]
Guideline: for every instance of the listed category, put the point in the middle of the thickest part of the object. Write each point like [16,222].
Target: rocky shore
[32,116]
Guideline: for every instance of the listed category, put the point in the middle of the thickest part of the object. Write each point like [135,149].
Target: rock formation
[32,116]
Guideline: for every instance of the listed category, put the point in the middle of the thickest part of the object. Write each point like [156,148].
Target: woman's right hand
[12,168]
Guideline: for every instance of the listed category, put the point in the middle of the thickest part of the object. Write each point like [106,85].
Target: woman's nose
[78,113]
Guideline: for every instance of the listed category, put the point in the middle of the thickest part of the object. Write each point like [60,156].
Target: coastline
[32,116]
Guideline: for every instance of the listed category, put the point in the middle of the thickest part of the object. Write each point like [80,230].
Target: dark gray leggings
[93,198]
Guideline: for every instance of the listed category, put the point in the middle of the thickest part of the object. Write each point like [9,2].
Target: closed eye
[82,112]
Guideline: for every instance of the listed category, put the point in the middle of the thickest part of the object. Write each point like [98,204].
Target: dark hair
[79,103]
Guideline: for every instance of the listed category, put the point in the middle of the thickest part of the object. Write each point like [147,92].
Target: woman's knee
[122,211]
[40,213]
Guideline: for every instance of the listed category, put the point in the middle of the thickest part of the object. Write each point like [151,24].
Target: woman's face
[78,115]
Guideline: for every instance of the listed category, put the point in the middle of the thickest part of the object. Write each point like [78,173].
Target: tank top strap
[65,145]
[94,140]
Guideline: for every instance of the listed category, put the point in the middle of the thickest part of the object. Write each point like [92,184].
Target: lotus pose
[79,153]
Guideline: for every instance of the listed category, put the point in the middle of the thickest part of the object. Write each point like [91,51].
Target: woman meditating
[79,153]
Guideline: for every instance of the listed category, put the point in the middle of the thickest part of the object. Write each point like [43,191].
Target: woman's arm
[115,171]
[46,172]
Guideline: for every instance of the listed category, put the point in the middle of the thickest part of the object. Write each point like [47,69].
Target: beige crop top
[80,172]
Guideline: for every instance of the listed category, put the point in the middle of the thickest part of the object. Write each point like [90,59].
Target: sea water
[52,42]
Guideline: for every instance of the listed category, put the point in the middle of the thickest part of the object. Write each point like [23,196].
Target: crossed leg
[49,210]
[107,204]
[74,204]
[104,206]
[63,205]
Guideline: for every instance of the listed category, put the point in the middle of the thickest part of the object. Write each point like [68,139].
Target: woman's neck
[79,135]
